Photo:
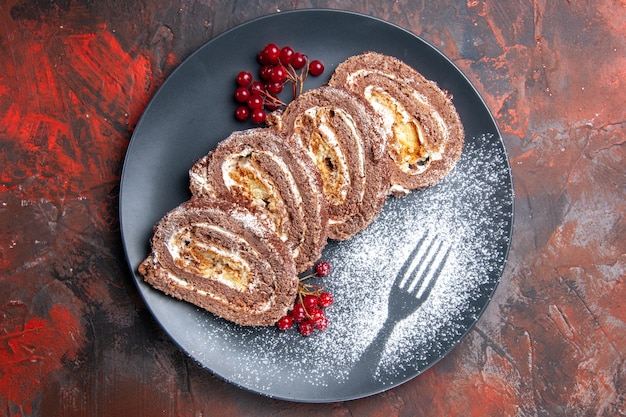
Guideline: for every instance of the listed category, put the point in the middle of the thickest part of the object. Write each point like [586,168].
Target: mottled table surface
[76,338]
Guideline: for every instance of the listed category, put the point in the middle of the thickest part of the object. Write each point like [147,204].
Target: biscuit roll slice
[259,170]
[424,132]
[224,259]
[344,140]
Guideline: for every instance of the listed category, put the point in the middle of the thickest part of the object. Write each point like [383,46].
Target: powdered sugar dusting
[470,211]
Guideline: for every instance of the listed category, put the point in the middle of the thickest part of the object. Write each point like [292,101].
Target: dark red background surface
[76,340]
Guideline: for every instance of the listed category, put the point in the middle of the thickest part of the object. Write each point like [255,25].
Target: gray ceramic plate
[368,348]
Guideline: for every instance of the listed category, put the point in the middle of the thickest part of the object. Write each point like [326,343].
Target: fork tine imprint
[411,262]
[417,273]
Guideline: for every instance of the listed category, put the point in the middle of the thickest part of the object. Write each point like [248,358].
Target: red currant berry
[257,87]
[285,323]
[266,72]
[242,94]
[322,269]
[306,328]
[286,55]
[316,68]
[316,314]
[310,302]
[242,113]
[278,74]
[325,300]
[298,313]
[262,58]
[258,115]
[321,324]
[272,52]
[299,60]
[274,87]
[255,102]
[244,78]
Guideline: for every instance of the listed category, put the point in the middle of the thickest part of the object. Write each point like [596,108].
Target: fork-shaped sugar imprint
[410,289]
[417,276]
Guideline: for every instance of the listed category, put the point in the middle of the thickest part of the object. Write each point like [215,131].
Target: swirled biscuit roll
[424,132]
[259,170]
[223,258]
[343,139]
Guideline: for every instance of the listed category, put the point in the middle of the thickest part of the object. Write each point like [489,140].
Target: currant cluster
[308,312]
[279,66]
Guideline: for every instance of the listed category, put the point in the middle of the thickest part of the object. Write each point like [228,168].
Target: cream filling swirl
[190,253]
[238,170]
[236,275]
[411,150]
[320,140]
[258,309]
